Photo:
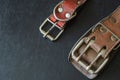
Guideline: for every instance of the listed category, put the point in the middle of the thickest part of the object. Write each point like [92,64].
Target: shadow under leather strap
[62,13]
[93,51]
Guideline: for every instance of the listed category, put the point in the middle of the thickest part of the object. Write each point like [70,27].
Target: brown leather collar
[93,51]
[63,12]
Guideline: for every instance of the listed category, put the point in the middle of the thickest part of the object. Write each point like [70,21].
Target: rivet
[60,9]
[113,38]
[67,15]
[79,2]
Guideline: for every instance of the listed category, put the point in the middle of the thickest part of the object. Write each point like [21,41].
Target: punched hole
[113,20]
[76,54]
[104,47]
[93,38]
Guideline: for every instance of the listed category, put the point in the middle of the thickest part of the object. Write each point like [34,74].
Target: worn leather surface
[97,45]
[103,38]
[26,55]
[68,6]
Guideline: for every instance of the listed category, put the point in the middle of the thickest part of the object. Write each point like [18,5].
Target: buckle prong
[46,33]
[87,67]
[91,42]
[98,56]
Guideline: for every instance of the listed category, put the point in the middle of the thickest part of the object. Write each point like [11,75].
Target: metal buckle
[46,33]
[87,69]
[54,25]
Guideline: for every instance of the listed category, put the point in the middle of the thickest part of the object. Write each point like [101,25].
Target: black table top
[26,55]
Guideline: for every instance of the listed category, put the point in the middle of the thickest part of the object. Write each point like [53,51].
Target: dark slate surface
[25,55]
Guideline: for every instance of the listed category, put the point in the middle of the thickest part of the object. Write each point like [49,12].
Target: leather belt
[94,49]
[62,13]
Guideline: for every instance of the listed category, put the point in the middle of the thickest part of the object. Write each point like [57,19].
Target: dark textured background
[25,55]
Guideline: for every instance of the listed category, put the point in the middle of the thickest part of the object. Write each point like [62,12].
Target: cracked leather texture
[26,55]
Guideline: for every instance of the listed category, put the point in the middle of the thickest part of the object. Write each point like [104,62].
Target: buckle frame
[86,69]
[46,33]
[54,24]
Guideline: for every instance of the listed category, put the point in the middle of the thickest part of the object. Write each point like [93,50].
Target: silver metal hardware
[118,46]
[77,60]
[46,33]
[67,15]
[60,9]
[79,2]
[88,68]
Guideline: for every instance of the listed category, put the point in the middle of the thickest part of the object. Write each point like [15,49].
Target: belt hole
[113,20]
[102,29]
[105,47]
[93,38]
[76,54]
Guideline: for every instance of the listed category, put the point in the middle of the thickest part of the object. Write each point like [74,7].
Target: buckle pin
[87,68]
[91,42]
[54,24]
[46,33]
[99,54]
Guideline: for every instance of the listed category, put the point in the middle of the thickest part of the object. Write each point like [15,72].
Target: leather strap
[107,35]
[62,13]
[93,51]
[69,7]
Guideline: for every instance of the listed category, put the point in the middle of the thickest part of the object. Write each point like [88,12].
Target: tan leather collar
[93,51]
